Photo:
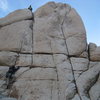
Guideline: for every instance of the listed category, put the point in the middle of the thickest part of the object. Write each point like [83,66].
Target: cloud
[4,5]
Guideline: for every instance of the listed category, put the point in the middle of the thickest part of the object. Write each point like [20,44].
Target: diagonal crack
[88,79]
[68,54]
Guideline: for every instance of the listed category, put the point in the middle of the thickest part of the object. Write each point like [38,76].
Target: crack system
[32,39]
[19,52]
[56,71]
[25,53]
[15,65]
[68,55]
[74,80]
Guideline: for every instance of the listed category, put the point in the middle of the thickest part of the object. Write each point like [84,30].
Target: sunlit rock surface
[55,60]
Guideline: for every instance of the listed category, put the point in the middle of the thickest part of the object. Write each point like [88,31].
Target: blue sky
[89,10]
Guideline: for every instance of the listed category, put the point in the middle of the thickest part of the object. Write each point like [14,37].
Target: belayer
[11,72]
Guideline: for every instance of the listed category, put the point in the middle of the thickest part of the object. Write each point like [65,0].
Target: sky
[89,10]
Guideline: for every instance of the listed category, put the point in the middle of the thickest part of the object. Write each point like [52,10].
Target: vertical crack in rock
[32,38]
[88,53]
[51,89]
[56,71]
[80,82]
[68,54]
[21,49]
[19,53]
[15,64]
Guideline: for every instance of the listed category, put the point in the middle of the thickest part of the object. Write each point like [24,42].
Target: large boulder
[18,15]
[94,52]
[95,91]
[74,33]
[87,80]
[62,31]
[16,37]
[8,58]
[51,50]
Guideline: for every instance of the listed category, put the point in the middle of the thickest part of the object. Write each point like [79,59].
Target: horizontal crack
[39,79]
[42,53]
[15,22]
[41,67]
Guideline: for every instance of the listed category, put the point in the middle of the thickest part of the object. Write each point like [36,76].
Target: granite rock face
[16,37]
[55,60]
[7,58]
[62,29]
[18,15]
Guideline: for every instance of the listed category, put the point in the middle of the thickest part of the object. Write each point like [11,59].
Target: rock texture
[18,15]
[16,37]
[7,58]
[50,46]
[94,52]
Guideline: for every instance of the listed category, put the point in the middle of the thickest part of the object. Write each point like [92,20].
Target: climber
[12,70]
[10,75]
[30,8]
